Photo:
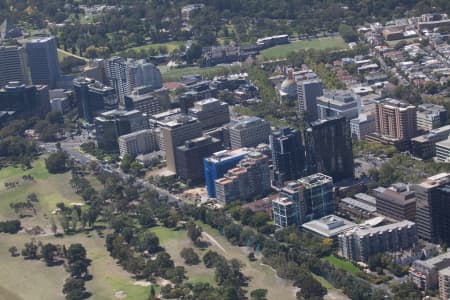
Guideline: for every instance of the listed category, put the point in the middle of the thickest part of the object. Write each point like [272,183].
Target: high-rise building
[127,74]
[93,97]
[25,100]
[143,73]
[288,155]
[431,116]
[175,131]
[139,142]
[143,99]
[428,197]
[210,112]
[396,120]
[250,178]
[189,157]
[43,61]
[249,132]
[361,242]
[329,148]
[397,202]
[114,123]
[303,200]
[12,65]
[307,92]
[337,103]
[218,164]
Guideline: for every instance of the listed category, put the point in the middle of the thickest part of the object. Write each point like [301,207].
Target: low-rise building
[329,226]
[361,242]
[443,150]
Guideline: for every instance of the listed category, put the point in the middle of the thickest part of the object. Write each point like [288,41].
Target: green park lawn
[342,264]
[282,51]
[50,188]
[25,279]
[175,74]
[170,46]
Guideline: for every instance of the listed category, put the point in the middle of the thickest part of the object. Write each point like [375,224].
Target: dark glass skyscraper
[288,155]
[329,148]
[43,61]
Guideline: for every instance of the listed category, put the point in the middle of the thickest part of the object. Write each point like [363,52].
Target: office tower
[25,100]
[303,200]
[431,116]
[249,132]
[427,205]
[425,273]
[143,99]
[288,155]
[307,92]
[116,71]
[329,148]
[142,73]
[362,125]
[218,164]
[12,65]
[43,61]
[250,178]
[361,242]
[114,123]
[175,131]
[397,202]
[444,283]
[93,97]
[337,103]
[210,112]
[139,142]
[396,120]
[189,157]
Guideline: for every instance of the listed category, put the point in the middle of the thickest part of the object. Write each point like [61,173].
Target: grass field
[20,279]
[175,74]
[282,51]
[170,46]
[262,276]
[49,188]
[342,264]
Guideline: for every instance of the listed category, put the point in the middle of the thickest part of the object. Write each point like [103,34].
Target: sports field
[282,51]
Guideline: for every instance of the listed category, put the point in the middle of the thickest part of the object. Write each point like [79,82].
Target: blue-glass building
[218,164]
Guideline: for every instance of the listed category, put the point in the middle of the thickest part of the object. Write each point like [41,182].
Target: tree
[190,257]
[53,226]
[76,252]
[193,53]
[48,253]
[13,250]
[258,294]
[147,241]
[57,162]
[193,231]
[30,251]
[125,164]
[348,33]
[73,286]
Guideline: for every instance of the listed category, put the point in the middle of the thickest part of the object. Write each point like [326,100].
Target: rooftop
[315,180]
[364,230]
[227,154]
[329,226]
